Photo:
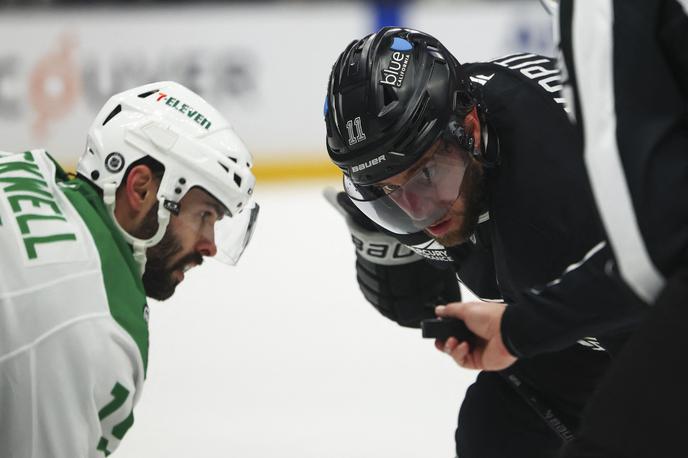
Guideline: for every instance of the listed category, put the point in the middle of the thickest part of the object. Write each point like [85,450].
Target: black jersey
[540,247]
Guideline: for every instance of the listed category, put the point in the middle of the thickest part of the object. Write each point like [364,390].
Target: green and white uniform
[73,316]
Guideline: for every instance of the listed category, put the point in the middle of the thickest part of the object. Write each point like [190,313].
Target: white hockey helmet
[196,145]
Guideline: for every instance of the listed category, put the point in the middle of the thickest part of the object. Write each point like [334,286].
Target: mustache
[192,258]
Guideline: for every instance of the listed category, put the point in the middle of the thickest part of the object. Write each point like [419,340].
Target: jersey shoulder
[515,74]
[61,247]
[38,225]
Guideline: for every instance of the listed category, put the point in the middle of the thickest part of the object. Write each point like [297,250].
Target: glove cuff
[381,249]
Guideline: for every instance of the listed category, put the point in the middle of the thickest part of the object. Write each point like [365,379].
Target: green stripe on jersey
[123,285]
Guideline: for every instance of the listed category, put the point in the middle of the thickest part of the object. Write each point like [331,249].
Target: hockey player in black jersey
[473,171]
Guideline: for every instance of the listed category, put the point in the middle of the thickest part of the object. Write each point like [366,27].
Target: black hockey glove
[395,280]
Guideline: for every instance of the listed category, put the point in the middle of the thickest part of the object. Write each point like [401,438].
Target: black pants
[641,408]
[496,422]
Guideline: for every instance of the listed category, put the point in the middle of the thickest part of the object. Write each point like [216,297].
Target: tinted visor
[417,198]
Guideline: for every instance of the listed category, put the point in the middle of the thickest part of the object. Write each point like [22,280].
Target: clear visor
[235,233]
[222,237]
[417,198]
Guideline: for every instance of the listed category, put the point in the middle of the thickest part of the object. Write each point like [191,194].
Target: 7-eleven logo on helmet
[183,108]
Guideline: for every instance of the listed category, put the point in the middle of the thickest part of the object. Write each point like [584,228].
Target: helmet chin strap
[139,245]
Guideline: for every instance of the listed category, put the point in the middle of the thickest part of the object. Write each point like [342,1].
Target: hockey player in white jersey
[164,182]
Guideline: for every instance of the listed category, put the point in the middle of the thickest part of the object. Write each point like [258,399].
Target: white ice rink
[282,357]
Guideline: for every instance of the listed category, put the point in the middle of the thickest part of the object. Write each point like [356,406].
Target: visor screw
[95,175]
[178,190]
[182,181]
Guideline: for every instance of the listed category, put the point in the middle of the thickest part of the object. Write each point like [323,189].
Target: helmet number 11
[355,135]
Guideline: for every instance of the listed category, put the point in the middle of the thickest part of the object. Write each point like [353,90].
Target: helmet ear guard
[464,101]
[463,138]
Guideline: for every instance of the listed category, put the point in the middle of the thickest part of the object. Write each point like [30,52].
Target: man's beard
[157,278]
[473,190]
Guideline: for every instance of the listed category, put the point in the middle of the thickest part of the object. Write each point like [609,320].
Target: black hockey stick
[544,412]
[443,328]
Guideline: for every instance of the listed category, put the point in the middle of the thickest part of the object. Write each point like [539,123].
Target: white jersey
[73,336]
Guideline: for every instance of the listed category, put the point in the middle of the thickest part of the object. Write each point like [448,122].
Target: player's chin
[453,235]
[160,287]
[450,240]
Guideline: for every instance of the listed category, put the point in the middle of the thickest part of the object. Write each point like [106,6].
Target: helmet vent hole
[112,114]
[389,94]
[233,159]
[436,53]
[390,100]
[224,167]
[237,180]
[146,94]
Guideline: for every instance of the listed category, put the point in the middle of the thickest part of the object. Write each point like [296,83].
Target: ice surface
[282,357]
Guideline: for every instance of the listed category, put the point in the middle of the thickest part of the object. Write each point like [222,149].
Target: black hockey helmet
[390,96]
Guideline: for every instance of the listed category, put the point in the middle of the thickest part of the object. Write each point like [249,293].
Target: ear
[140,185]
[136,196]
[472,124]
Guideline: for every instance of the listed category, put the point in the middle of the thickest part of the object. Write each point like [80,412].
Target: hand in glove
[398,282]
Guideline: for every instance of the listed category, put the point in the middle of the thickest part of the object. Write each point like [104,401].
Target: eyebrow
[420,163]
[220,209]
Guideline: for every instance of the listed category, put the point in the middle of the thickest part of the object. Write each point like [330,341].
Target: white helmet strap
[139,245]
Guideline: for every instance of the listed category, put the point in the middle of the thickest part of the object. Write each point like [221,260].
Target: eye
[389,188]
[428,173]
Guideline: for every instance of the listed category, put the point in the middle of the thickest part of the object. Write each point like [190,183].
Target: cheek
[182,234]
[186,242]
[446,195]
[459,206]
[448,190]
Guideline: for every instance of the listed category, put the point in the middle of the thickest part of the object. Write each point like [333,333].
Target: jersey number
[119,397]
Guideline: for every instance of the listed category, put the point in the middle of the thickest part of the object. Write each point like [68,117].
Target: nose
[206,243]
[415,205]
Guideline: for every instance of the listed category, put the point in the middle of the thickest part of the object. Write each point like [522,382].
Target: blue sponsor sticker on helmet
[394,73]
[326,107]
[399,44]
